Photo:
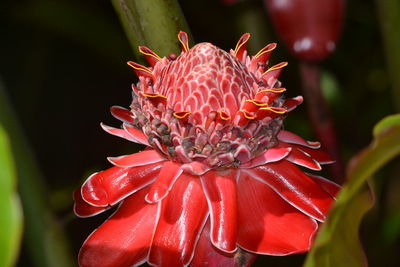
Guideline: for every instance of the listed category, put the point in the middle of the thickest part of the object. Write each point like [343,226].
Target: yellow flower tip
[150,95]
[247,114]
[277,67]
[149,54]
[184,40]
[181,114]
[224,116]
[266,49]
[256,102]
[275,110]
[241,46]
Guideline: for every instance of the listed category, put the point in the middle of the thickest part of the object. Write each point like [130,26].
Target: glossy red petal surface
[300,158]
[267,224]
[329,186]
[292,138]
[183,214]
[318,154]
[112,185]
[270,155]
[221,197]
[295,187]
[195,168]
[138,159]
[82,208]
[165,180]
[124,239]
[208,255]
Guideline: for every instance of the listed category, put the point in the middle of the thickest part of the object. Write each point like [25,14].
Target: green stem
[43,236]
[389,14]
[154,23]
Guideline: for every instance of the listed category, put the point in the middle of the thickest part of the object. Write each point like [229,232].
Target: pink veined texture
[219,181]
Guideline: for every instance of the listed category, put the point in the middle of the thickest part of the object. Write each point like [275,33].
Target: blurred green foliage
[11,213]
[337,243]
[44,237]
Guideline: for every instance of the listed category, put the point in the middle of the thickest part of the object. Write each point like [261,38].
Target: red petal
[117,132]
[269,225]
[124,239]
[292,103]
[295,187]
[183,214]
[241,46]
[300,158]
[165,180]
[262,56]
[292,138]
[82,208]
[195,168]
[138,159]
[207,255]
[318,154]
[150,56]
[221,197]
[329,186]
[270,155]
[184,40]
[122,114]
[137,135]
[141,71]
[272,74]
[110,186]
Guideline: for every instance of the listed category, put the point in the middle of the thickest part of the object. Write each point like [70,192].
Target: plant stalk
[154,23]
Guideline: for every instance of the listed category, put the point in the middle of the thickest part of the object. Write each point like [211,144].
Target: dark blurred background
[62,63]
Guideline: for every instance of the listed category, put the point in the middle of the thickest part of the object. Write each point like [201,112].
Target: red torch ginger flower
[219,172]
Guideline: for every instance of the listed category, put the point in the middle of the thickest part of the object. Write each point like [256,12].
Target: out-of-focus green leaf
[43,235]
[386,124]
[154,23]
[10,215]
[337,243]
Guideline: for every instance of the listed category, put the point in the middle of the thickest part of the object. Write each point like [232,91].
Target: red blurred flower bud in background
[309,28]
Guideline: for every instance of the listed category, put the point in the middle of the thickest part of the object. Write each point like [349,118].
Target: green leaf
[11,214]
[337,243]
